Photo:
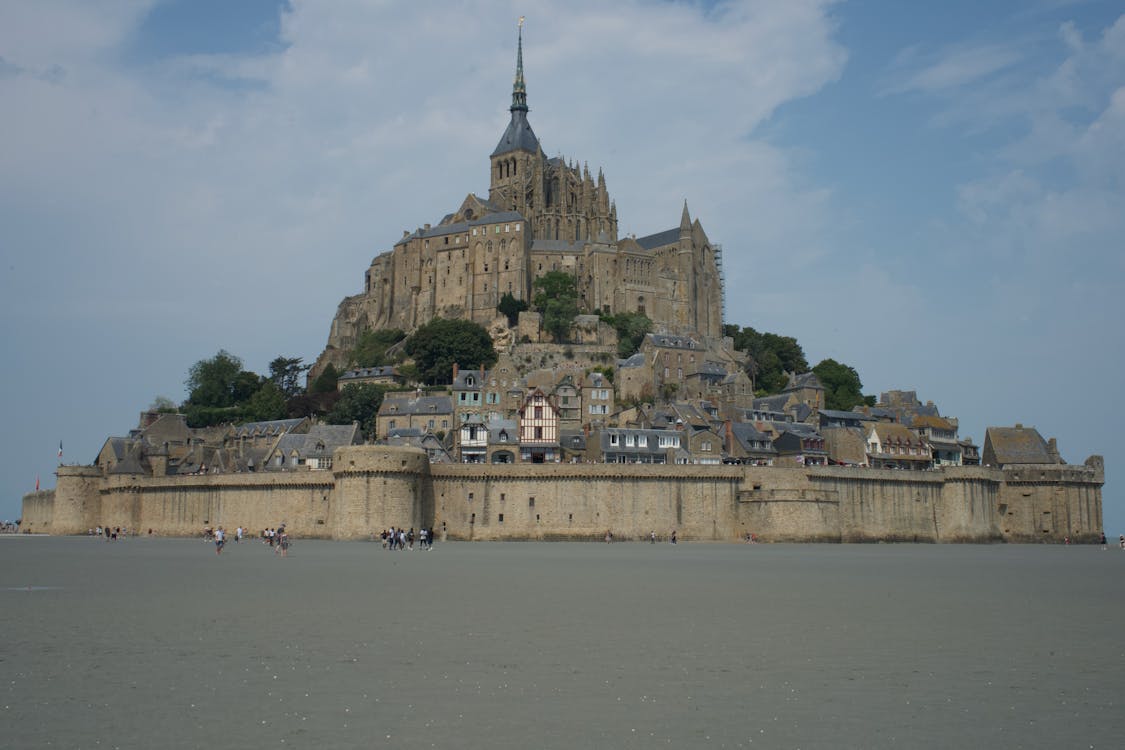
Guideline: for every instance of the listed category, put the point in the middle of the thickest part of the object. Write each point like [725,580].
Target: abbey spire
[519,88]
[518,136]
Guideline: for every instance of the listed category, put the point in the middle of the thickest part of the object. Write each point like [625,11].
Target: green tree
[557,300]
[631,327]
[510,307]
[842,387]
[358,402]
[772,356]
[326,381]
[441,343]
[286,372]
[267,403]
[214,382]
[371,348]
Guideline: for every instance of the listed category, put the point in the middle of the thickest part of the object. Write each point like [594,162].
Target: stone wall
[38,510]
[374,487]
[1040,502]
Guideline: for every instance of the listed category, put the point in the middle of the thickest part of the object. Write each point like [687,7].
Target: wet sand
[161,643]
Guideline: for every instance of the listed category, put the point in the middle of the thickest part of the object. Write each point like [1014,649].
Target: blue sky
[932,193]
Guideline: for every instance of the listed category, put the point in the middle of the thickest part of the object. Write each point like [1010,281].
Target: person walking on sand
[652,537]
[673,536]
[220,540]
[283,543]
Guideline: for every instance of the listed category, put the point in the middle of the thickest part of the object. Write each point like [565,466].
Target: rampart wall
[375,487]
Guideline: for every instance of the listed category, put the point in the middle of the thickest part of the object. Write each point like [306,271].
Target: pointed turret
[685,220]
[518,136]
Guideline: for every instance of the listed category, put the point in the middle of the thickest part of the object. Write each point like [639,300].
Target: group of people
[393,538]
[276,538]
[652,537]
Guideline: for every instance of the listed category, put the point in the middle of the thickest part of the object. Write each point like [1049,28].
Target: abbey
[541,214]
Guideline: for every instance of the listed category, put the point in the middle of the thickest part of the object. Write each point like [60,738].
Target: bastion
[371,488]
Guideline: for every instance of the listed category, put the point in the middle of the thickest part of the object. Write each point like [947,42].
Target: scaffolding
[722,280]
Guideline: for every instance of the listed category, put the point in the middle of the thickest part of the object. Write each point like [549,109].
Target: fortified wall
[374,487]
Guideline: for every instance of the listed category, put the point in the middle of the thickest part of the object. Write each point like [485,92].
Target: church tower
[516,157]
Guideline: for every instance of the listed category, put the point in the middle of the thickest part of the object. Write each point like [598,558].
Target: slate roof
[660,239]
[1017,445]
[832,415]
[444,229]
[496,426]
[330,436]
[746,434]
[712,369]
[416,405]
[556,246]
[804,380]
[386,371]
[518,136]
[672,342]
[572,440]
[272,427]
[637,360]
[460,383]
[771,403]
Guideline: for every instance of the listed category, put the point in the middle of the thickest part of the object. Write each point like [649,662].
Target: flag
[36,482]
[60,449]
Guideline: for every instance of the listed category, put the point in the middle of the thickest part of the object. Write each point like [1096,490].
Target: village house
[311,450]
[891,445]
[539,429]
[433,413]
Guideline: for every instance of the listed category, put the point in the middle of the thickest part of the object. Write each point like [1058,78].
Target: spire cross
[519,88]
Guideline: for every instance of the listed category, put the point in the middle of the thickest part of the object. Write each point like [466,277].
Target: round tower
[77,500]
[379,486]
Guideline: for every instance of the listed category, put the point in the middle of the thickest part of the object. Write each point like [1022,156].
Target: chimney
[730,437]
[1053,451]
[482,374]
[455,370]
[1019,426]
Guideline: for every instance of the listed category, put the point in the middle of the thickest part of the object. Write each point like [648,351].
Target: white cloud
[950,68]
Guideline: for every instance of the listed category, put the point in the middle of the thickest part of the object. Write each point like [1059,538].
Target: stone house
[503,441]
[941,434]
[598,401]
[891,445]
[701,446]
[412,437]
[746,444]
[312,450]
[799,444]
[627,445]
[398,411]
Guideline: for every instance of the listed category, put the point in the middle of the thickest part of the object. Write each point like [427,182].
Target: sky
[932,193]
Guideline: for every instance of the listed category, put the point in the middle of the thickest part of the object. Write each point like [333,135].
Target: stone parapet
[374,487]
